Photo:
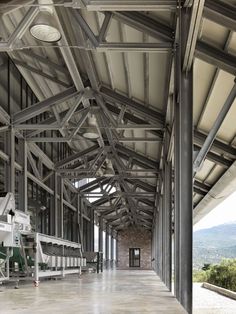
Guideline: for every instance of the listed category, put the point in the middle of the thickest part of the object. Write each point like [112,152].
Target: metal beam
[216,57]
[91,186]
[142,185]
[217,146]
[219,160]
[76,156]
[194,25]
[129,152]
[58,67]
[23,26]
[39,72]
[7,7]
[44,105]
[145,24]
[138,139]
[68,55]
[204,51]
[164,47]
[37,151]
[214,129]
[184,169]
[148,113]
[85,27]
[199,137]
[131,5]
[221,13]
[134,119]
[105,26]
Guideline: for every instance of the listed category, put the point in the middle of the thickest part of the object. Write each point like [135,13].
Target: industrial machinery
[94,261]
[28,254]
[13,224]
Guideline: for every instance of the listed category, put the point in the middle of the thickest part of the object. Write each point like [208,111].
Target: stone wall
[134,238]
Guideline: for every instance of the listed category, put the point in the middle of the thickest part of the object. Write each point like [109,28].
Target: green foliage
[223,275]
[199,276]
[206,267]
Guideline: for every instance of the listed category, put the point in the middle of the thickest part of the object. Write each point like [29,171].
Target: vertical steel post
[62,207]
[100,235]
[23,179]
[177,174]
[117,250]
[107,246]
[184,172]
[92,230]
[158,241]
[78,230]
[112,250]
[168,213]
[10,168]
[168,222]
[81,222]
[186,191]
[161,237]
[55,204]
[163,230]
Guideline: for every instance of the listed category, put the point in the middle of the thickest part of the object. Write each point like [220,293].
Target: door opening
[134,257]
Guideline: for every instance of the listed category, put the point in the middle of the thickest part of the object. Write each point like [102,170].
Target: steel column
[23,179]
[62,207]
[167,199]
[112,250]
[107,247]
[186,191]
[10,167]
[92,230]
[100,235]
[168,222]
[160,236]
[55,203]
[184,173]
[81,222]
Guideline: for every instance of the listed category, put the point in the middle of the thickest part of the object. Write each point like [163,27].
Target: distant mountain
[213,244]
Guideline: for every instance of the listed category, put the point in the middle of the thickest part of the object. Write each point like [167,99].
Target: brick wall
[134,237]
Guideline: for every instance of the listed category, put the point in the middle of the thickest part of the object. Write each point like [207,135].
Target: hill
[213,244]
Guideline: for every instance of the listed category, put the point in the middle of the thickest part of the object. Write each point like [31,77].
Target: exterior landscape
[212,245]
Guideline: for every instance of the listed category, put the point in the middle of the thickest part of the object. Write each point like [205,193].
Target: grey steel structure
[157,77]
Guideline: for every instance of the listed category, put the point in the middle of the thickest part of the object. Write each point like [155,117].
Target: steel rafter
[213,131]
[221,12]
[204,51]
[44,105]
[76,156]
[141,109]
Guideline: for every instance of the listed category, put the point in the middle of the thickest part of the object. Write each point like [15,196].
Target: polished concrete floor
[118,291]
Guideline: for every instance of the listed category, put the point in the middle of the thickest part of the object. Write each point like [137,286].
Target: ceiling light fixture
[45,28]
[91,131]
[46,33]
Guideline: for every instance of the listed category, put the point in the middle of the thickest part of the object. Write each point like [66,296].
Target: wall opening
[134,257]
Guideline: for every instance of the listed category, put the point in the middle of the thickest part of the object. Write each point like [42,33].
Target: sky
[224,213]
